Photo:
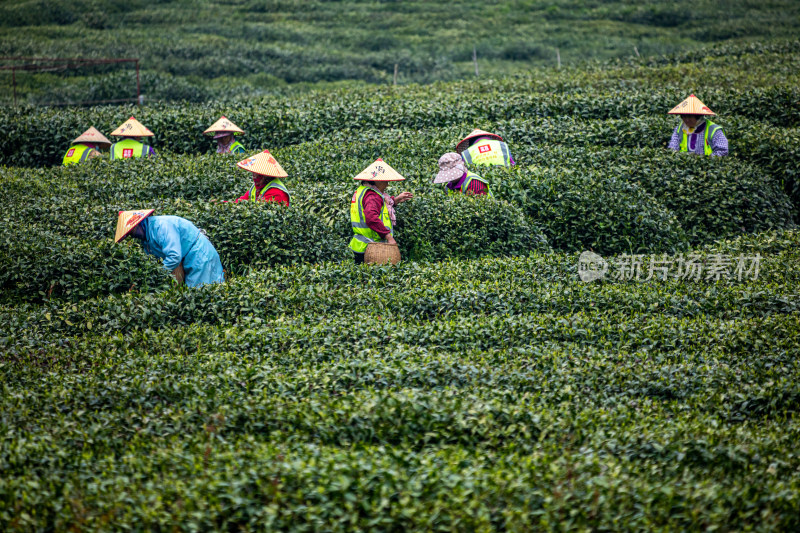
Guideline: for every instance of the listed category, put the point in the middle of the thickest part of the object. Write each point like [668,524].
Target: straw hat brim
[132,128]
[122,233]
[224,124]
[92,136]
[379,170]
[464,143]
[691,106]
[263,163]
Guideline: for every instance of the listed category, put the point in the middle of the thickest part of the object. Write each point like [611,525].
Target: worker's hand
[402,197]
[390,239]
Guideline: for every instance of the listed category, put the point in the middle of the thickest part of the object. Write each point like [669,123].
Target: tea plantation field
[479,385]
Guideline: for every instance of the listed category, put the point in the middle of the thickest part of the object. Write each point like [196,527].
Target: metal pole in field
[475,59]
[394,80]
[558,58]
[14,81]
[138,87]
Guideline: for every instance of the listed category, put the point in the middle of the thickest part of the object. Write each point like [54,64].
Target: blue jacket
[176,240]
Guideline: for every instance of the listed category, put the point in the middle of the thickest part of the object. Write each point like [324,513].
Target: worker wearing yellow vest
[86,146]
[371,211]
[695,133]
[483,148]
[224,132]
[131,131]
[458,178]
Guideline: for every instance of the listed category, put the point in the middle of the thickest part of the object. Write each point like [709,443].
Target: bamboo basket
[179,274]
[380,253]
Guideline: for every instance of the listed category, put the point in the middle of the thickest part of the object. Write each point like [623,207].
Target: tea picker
[223,132]
[86,146]
[130,146]
[372,213]
[267,185]
[186,251]
[458,178]
[695,133]
[483,148]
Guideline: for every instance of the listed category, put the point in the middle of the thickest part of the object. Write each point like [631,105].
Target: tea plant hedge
[479,384]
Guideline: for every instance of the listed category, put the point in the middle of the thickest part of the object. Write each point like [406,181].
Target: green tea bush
[39,137]
[255,235]
[589,211]
[439,226]
[37,264]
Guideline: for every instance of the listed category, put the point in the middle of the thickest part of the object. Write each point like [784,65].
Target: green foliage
[190,42]
[590,210]
[440,226]
[479,384]
[495,394]
[36,264]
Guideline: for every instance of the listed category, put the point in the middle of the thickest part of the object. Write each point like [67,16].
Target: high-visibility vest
[711,129]
[237,148]
[78,154]
[488,152]
[128,148]
[465,186]
[363,233]
[274,184]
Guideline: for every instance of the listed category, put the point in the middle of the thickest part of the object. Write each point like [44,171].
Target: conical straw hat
[128,220]
[92,136]
[379,171]
[132,128]
[691,106]
[224,125]
[463,144]
[263,163]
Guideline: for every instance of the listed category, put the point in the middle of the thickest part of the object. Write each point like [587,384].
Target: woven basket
[179,274]
[381,253]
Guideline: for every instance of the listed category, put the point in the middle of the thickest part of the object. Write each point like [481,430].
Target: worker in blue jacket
[183,247]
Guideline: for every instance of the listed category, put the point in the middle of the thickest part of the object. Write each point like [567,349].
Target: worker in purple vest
[696,134]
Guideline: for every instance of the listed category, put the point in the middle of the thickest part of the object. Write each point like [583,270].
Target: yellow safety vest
[488,152]
[711,129]
[363,233]
[237,148]
[128,148]
[274,184]
[78,154]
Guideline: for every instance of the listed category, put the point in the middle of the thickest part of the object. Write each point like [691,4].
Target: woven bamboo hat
[379,171]
[463,144]
[691,106]
[263,163]
[92,136]
[223,127]
[132,128]
[128,220]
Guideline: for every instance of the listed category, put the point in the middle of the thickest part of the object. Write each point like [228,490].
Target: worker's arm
[170,242]
[245,196]
[373,204]
[719,144]
[675,141]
